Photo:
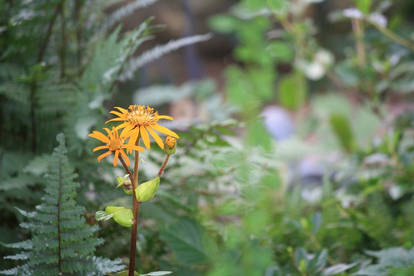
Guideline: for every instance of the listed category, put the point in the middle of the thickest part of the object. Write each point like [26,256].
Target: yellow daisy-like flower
[114,144]
[139,120]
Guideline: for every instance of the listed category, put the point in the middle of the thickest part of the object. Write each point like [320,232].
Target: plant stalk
[393,36]
[134,230]
[163,165]
[357,27]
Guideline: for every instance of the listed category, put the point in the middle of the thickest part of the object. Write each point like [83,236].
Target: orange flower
[114,144]
[171,142]
[141,120]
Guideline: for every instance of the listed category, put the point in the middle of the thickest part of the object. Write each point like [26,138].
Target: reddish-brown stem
[134,230]
[163,165]
[131,177]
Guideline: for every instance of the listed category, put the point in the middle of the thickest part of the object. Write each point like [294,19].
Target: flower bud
[146,191]
[123,216]
[125,183]
[170,145]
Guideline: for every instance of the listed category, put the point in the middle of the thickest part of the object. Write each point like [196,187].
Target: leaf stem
[163,165]
[393,36]
[358,29]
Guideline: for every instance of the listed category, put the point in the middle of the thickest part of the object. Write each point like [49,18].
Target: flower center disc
[141,115]
[115,144]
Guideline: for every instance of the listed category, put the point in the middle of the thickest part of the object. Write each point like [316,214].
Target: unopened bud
[146,191]
[170,145]
[125,183]
[123,216]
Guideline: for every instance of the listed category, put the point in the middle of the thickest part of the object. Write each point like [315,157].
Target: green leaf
[146,191]
[342,129]
[276,5]
[257,135]
[363,5]
[123,216]
[336,269]
[292,91]
[185,239]
[223,23]
[281,51]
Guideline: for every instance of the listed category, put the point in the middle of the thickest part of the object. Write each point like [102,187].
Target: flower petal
[109,133]
[122,125]
[164,130]
[125,157]
[99,148]
[145,137]
[165,117]
[133,136]
[100,157]
[114,120]
[156,137]
[116,113]
[100,136]
[131,148]
[116,158]
[126,130]
[123,110]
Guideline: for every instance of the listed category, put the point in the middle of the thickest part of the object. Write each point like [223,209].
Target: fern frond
[19,245]
[105,266]
[159,51]
[128,46]
[125,11]
[62,242]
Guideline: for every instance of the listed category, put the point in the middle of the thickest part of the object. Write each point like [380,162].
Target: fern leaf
[62,242]
[159,51]
[125,11]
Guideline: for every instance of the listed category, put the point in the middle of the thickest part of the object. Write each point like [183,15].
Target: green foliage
[342,129]
[292,91]
[62,242]
[392,261]
[232,201]
[363,5]
[185,238]
[157,52]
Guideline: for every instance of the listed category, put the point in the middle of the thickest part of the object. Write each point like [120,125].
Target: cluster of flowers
[137,121]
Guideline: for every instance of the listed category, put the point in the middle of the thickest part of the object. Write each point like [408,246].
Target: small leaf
[146,191]
[316,222]
[223,23]
[292,91]
[281,51]
[342,129]
[363,5]
[276,5]
[336,269]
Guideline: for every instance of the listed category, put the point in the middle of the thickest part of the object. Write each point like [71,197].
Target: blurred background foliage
[296,120]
